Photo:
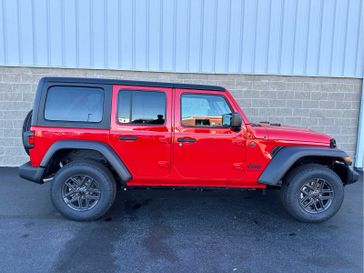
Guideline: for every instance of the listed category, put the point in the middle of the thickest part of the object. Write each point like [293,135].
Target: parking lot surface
[175,231]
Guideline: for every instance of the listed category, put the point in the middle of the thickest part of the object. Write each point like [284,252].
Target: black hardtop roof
[136,83]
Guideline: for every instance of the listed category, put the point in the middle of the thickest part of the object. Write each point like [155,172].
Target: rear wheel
[312,193]
[83,190]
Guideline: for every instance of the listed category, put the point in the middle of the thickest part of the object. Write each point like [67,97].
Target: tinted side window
[141,107]
[205,110]
[70,103]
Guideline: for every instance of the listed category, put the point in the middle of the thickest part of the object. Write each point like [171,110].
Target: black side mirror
[236,121]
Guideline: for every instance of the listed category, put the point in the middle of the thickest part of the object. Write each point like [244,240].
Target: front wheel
[83,190]
[312,193]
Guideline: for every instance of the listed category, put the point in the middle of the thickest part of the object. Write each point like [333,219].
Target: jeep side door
[206,151]
[140,132]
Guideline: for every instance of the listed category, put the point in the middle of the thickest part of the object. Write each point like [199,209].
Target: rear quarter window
[75,104]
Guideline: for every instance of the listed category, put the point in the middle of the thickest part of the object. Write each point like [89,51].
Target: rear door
[141,131]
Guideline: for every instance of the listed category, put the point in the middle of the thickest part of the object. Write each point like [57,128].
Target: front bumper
[33,174]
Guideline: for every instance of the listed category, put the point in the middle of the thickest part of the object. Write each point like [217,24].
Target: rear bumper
[33,174]
[353,176]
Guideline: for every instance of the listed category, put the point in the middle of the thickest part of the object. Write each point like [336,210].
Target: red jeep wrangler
[90,136]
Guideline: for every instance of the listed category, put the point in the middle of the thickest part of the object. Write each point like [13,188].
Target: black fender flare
[102,148]
[283,160]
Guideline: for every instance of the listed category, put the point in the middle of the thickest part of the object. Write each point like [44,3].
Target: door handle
[128,137]
[186,139]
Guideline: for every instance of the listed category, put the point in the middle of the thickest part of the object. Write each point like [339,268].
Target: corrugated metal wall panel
[300,37]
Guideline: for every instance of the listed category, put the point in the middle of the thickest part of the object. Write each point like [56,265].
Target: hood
[289,133]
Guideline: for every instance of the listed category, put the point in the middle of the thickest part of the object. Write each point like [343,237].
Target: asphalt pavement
[175,231]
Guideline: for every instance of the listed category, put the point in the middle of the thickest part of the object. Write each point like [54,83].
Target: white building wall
[289,37]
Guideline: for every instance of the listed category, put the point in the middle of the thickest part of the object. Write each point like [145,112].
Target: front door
[206,150]
[140,131]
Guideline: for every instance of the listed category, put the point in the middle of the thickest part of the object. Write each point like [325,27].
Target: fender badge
[254,166]
[252,144]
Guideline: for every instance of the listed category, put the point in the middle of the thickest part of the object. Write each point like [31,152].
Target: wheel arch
[74,149]
[287,158]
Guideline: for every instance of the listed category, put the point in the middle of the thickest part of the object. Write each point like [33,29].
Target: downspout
[359,153]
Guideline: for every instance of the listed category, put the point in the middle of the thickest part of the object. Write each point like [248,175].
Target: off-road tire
[297,178]
[96,171]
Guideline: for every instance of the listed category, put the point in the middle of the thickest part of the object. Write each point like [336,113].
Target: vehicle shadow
[227,206]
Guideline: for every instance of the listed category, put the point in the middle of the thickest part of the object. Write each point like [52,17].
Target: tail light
[29,139]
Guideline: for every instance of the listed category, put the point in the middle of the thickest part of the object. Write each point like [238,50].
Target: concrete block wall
[329,105]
